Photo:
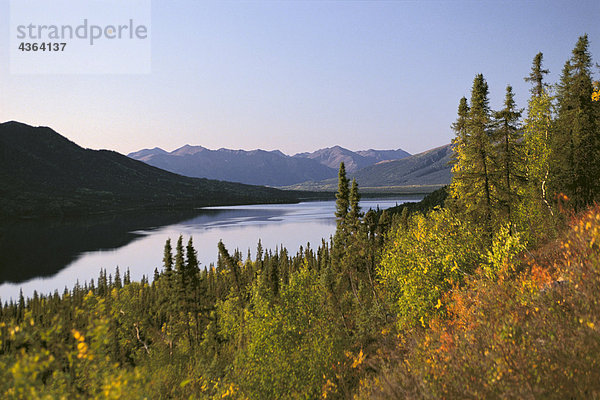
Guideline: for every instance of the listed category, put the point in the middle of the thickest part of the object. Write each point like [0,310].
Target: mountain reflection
[41,248]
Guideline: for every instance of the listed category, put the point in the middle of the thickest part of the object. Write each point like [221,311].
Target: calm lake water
[50,255]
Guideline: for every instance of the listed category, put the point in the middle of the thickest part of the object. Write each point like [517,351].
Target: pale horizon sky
[299,76]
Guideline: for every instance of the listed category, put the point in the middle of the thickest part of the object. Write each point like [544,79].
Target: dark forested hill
[43,173]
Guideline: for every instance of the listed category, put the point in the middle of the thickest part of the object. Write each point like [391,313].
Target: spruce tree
[168,258]
[342,196]
[180,272]
[472,182]
[259,251]
[508,154]
[537,75]
[342,206]
[191,258]
[460,173]
[179,260]
[118,283]
[460,126]
[354,213]
[127,277]
[575,146]
[192,270]
[232,264]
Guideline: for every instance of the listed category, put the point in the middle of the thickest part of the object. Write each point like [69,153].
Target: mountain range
[44,173]
[353,160]
[256,167]
[316,171]
[260,167]
[425,172]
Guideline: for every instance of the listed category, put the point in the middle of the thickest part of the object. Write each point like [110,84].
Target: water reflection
[51,255]
[40,248]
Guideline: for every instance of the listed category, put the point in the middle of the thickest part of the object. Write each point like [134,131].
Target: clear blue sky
[298,76]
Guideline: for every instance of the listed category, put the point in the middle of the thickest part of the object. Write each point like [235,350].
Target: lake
[50,255]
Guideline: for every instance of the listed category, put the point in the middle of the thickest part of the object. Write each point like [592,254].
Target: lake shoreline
[89,244]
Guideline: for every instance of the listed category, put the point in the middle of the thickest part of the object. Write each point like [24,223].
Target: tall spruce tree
[168,258]
[575,146]
[508,155]
[342,206]
[180,270]
[459,142]
[460,126]
[179,257]
[232,265]
[192,270]
[342,203]
[472,182]
[354,213]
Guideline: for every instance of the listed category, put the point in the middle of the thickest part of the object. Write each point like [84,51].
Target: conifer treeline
[507,170]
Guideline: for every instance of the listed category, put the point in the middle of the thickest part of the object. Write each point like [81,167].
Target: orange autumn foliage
[533,335]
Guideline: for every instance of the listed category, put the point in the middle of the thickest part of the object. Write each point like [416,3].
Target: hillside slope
[429,170]
[43,173]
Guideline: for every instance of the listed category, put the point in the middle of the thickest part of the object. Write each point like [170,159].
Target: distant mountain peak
[279,153]
[336,147]
[146,153]
[188,150]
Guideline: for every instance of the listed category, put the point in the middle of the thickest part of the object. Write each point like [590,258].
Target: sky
[302,75]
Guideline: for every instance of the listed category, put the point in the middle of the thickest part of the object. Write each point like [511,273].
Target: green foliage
[535,213]
[422,263]
[57,362]
[289,346]
[506,247]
